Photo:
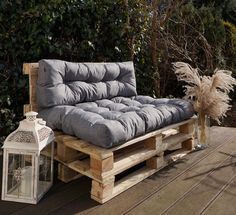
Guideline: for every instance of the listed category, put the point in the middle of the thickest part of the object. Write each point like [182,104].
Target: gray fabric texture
[98,102]
[65,83]
[107,123]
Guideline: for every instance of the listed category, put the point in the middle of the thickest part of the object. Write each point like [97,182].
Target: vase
[203,131]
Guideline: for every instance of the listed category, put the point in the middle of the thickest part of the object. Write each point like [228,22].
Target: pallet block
[66,174]
[104,166]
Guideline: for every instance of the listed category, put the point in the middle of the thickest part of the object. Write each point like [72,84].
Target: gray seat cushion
[107,123]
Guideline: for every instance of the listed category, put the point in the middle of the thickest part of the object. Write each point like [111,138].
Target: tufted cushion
[110,122]
[65,83]
[98,103]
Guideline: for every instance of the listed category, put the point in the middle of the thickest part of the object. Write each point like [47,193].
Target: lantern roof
[32,134]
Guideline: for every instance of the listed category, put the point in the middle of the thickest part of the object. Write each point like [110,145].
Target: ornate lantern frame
[28,161]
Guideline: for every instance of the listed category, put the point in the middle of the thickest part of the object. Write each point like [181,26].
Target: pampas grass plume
[211,93]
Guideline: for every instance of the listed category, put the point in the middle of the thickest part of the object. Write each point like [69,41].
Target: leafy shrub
[230,52]
[105,30]
[229,12]
[196,35]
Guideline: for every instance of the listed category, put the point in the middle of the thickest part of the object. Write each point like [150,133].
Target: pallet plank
[174,140]
[81,167]
[88,148]
[153,133]
[66,174]
[132,158]
[66,154]
[127,182]
[123,163]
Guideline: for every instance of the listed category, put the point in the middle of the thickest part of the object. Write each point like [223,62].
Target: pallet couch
[103,128]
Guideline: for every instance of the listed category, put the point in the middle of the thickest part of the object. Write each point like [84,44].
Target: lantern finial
[31,116]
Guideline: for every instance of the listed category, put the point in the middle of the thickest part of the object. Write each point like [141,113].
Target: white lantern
[28,161]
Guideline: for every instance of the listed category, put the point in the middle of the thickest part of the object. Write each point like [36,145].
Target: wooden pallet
[104,166]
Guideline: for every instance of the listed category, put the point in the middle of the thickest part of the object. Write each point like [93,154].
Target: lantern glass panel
[45,170]
[19,175]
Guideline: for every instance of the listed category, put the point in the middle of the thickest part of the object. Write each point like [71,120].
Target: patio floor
[203,182]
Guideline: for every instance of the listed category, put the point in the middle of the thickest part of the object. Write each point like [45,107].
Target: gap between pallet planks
[103,165]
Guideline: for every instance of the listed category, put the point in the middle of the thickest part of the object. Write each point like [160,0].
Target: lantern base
[30,201]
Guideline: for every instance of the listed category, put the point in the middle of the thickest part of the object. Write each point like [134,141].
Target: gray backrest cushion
[66,83]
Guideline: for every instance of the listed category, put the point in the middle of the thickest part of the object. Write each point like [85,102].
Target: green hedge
[103,30]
